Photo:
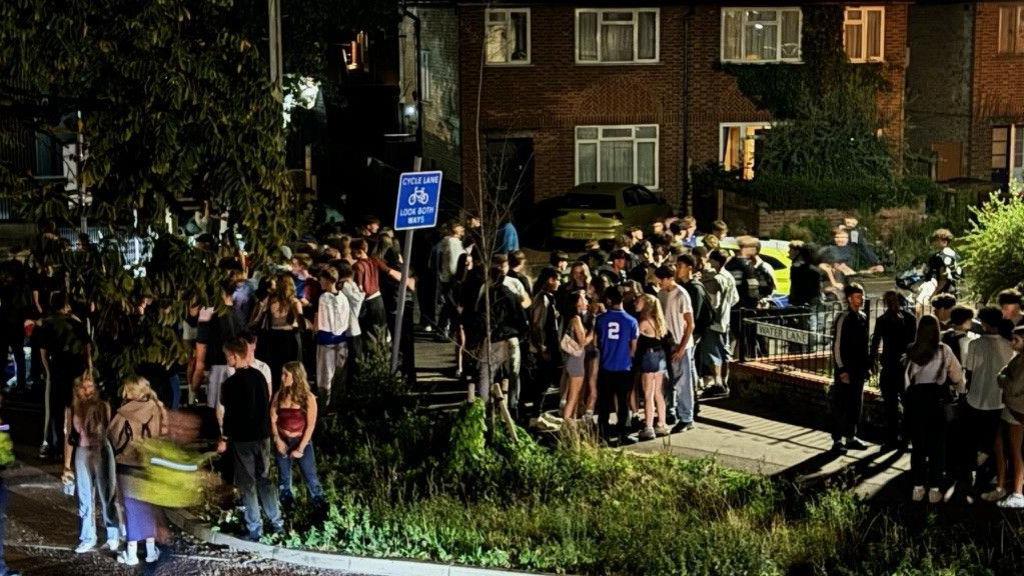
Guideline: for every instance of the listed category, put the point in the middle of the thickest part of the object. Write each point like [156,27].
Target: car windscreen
[589,201]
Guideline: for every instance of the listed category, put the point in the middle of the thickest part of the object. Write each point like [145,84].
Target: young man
[214,329]
[617,333]
[894,331]
[65,352]
[714,347]
[985,357]
[332,331]
[942,307]
[688,238]
[678,310]
[450,249]
[518,267]
[508,324]
[243,413]
[944,265]
[260,366]
[545,334]
[1010,305]
[614,272]
[355,296]
[851,360]
[366,272]
[560,262]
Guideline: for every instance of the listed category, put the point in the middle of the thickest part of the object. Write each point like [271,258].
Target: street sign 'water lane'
[419,194]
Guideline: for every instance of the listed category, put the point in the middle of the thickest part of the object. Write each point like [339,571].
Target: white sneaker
[1015,500]
[918,494]
[150,558]
[113,544]
[934,495]
[994,495]
[124,558]
[84,547]
[948,494]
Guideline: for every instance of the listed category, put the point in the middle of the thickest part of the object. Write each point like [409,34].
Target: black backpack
[703,315]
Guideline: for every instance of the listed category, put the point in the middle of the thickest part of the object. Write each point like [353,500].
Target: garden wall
[745,214]
[795,397]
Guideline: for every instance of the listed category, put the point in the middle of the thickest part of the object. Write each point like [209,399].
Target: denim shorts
[653,361]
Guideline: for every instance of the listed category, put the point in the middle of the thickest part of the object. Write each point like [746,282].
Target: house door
[510,178]
[949,160]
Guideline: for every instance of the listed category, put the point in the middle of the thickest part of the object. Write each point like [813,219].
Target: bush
[993,249]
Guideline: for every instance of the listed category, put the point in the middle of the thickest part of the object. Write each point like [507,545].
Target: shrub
[993,248]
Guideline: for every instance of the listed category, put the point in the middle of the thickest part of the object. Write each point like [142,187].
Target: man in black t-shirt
[216,326]
[64,350]
[243,413]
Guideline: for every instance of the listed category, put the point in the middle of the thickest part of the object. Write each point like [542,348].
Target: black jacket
[850,344]
[894,333]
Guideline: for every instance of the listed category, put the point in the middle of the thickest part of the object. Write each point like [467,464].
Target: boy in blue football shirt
[617,333]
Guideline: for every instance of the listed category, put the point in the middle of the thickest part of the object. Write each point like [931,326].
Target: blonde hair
[136,388]
[92,412]
[652,311]
[298,392]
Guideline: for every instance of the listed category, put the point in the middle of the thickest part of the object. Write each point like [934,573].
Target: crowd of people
[643,326]
[952,384]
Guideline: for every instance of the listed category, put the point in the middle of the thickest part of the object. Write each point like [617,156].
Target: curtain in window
[761,40]
[616,43]
[730,148]
[586,163]
[1018,149]
[790,34]
[732,34]
[519,28]
[645,163]
[647,49]
[853,46]
[617,161]
[1007,21]
[1019,46]
[874,47]
[587,30]
[496,42]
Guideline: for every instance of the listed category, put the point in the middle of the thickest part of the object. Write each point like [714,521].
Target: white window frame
[1013,133]
[742,126]
[508,23]
[634,139]
[636,36]
[427,80]
[747,9]
[1014,48]
[864,33]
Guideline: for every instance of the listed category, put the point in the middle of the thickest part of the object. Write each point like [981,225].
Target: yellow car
[600,210]
[776,254]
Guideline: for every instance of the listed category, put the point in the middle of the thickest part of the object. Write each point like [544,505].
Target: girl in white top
[930,365]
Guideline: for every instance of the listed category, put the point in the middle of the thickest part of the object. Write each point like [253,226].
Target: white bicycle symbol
[419,196]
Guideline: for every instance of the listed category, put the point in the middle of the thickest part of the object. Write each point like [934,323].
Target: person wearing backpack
[140,417]
[703,315]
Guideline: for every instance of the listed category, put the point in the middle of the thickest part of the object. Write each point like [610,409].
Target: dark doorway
[510,178]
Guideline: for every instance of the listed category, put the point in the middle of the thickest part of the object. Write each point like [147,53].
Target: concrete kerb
[355,564]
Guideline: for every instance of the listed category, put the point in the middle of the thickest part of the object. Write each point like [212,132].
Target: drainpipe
[684,196]
[416,27]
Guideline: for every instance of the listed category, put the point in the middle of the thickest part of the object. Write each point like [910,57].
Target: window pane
[1000,146]
[1018,147]
[853,15]
[791,34]
[587,33]
[617,133]
[587,133]
[647,50]
[496,16]
[520,26]
[730,147]
[497,42]
[586,163]
[853,45]
[874,47]
[617,16]
[616,43]
[645,163]
[1007,18]
[617,161]
[731,35]
[761,16]
[761,41]
[647,132]
[1019,45]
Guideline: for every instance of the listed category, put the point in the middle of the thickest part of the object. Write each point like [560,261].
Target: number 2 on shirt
[613,330]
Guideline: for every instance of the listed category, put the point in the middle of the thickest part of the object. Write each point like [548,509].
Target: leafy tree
[993,249]
[176,101]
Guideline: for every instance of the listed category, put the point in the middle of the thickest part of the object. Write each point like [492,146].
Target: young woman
[930,365]
[87,449]
[293,411]
[650,350]
[1011,380]
[463,268]
[141,416]
[279,331]
[578,325]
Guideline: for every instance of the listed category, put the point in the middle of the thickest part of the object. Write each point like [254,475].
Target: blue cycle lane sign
[419,195]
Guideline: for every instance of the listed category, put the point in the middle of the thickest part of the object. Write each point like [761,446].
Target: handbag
[570,346]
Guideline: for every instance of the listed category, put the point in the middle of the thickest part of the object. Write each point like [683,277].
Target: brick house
[636,91]
[964,107]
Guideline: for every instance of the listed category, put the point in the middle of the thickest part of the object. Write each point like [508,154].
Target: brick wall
[743,215]
[996,88]
[938,78]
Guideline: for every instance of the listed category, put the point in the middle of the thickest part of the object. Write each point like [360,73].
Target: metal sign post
[419,195]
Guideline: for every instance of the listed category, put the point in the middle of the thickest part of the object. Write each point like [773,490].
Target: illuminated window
[627,154]
[754,35]
[508,36]
[864,33]
[738,148]
[616,36]
[1011,29]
